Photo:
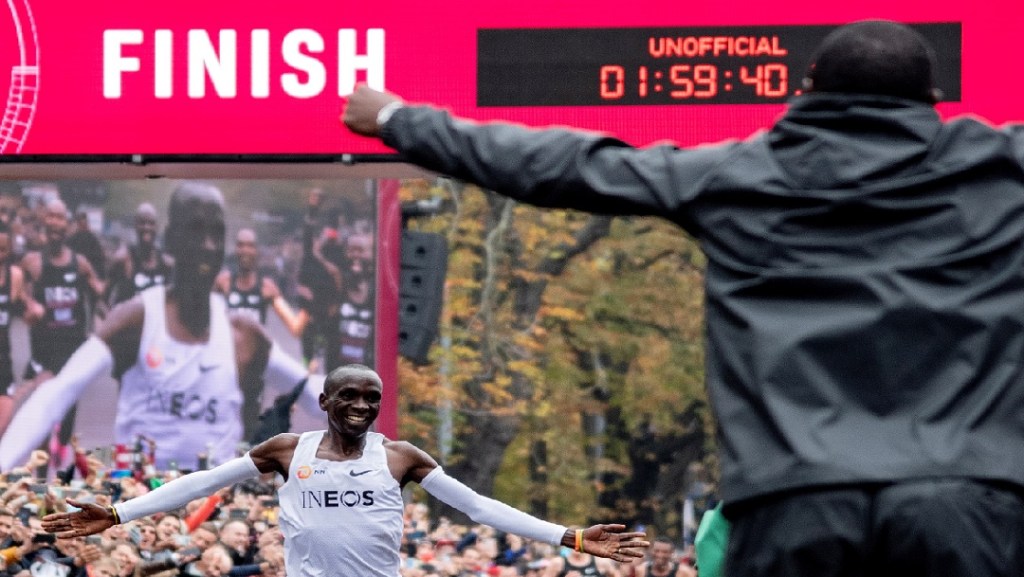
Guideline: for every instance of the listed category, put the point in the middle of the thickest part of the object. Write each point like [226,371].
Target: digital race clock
[690,65]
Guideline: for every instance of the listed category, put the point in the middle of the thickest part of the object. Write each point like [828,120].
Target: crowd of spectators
[231,533]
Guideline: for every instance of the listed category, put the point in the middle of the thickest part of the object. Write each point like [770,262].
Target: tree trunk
[489,432]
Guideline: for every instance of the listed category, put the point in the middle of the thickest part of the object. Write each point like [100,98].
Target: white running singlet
[183,395]
[341,518]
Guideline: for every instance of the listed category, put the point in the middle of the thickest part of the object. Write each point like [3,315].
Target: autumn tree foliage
[568,378]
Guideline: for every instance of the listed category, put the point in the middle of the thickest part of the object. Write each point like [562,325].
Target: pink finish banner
[190,77]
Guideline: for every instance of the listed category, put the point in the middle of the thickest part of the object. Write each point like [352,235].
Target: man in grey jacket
[864,294]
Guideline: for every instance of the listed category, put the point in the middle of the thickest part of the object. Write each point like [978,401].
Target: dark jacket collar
[830,140]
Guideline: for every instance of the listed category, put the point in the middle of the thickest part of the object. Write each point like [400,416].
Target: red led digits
[700,81]
[613,82]
[685,81]
[757,81]
[680,77]
[768,80]
[705,76]
[781,76]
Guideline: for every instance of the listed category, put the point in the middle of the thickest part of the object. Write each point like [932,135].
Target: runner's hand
[90,519]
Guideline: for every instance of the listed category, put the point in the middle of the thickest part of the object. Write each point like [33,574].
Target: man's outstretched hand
[360,114]
[612,541]
[91,518]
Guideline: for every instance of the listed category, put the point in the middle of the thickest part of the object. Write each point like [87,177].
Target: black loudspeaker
[420,292]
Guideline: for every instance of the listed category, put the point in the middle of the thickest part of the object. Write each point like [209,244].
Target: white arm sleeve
[180,491]
[310,398]
[284,372]
[48,403]
[487,511]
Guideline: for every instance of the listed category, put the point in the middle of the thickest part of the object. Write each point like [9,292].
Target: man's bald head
[56,205]
[145,224]
[246,235]
[350,374]
[875,57]
[145,210]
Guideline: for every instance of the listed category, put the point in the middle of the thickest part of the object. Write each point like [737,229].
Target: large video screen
[295,260]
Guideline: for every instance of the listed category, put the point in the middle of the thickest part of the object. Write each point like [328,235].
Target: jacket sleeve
[555,167]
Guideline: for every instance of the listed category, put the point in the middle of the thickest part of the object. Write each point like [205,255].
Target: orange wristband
[579,540]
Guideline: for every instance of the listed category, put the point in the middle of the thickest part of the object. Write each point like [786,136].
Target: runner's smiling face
[145,227]
[246,251]
[351,403]
[661,554]
[55,222]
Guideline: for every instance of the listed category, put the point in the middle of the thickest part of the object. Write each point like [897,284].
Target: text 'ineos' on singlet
[248,302]
[185,395]
[62,291]
[145,277]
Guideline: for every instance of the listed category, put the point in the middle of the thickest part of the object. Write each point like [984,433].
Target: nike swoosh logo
[354,474]
[205,368]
